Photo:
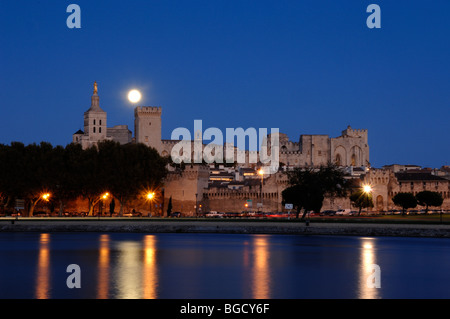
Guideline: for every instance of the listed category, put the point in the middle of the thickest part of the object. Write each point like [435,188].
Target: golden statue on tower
[95,87]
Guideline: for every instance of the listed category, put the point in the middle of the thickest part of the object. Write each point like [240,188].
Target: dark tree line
[124,171]
[424,198]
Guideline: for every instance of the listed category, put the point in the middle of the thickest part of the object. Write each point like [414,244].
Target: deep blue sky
[306,67]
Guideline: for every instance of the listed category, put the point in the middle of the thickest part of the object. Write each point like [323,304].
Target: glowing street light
[367,189]
[96,201]
[102,197]
[150,196]
[261,173]
[45,196]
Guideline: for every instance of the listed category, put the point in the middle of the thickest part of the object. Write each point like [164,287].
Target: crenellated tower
[147,126]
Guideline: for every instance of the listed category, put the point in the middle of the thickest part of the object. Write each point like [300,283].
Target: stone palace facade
[197,188]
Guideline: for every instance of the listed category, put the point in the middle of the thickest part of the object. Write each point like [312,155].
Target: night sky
[305,67]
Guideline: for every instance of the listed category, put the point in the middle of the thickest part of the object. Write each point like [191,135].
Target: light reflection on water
[43,268]
[103,267]
[150,271]
[129,270]
[260,271]
[368,258]
[136,272]
[221,266]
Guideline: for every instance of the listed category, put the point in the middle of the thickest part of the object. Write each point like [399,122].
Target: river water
[229,266]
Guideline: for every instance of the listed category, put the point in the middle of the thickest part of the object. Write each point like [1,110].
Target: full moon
[134,96]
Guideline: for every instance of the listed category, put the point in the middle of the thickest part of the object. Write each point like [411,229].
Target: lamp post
[196,204]
[162,204]
[103,197]
[46,197]
[261,172]
[367,190]
[94,202]
[150,197]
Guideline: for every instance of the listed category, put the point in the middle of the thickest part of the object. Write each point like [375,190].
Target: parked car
[328,213]
[343,212]
[175,214]
[214,214]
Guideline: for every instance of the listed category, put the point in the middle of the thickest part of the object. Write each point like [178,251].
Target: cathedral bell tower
[95,119]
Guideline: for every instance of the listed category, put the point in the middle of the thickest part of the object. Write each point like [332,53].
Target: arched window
[380,205]
[338,160]
[353,160]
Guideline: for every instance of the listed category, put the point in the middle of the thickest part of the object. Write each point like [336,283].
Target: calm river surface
[182,266]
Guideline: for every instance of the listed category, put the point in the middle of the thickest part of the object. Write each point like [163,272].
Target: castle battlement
[290,152]
[354,132]
[148,110]
[169,142]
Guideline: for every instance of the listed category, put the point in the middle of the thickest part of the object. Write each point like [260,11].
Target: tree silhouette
[429,198]
[112,206]
[405,201]
[309,186]
[361,199]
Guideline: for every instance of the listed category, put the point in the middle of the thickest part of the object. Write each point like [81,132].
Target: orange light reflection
[43,269]
[150,270]
[103,267]
[260,272]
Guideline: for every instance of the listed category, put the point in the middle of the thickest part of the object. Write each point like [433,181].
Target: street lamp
[261,172]
[150,197]
[367,188]
[103,197]
[196,204]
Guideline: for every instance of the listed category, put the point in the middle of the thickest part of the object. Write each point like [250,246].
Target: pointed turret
[95,100]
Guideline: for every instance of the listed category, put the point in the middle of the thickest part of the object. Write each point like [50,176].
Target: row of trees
[124,171]
[308,188]
[424,198]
